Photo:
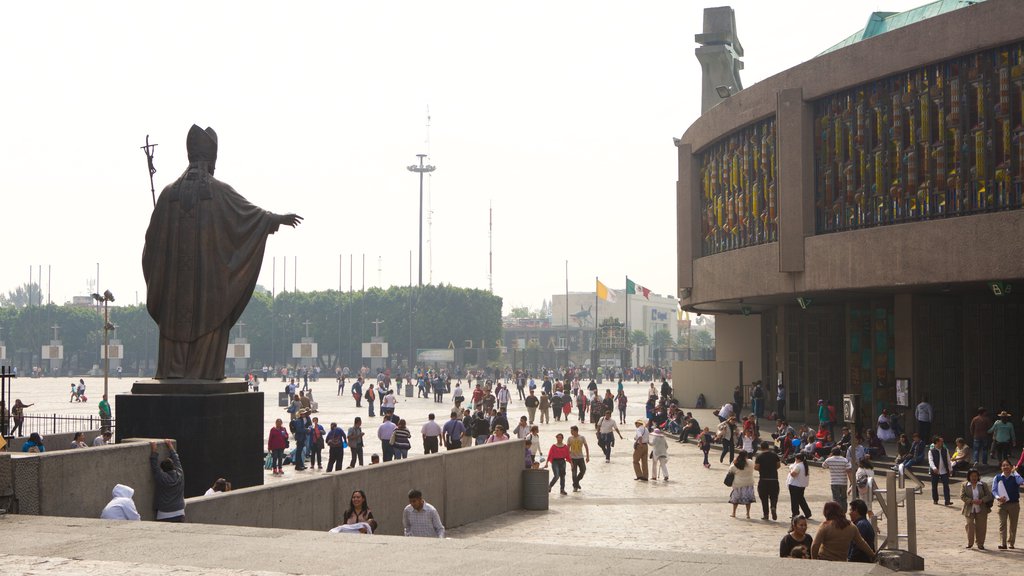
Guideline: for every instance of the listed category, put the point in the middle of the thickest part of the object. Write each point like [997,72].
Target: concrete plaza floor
[687,517]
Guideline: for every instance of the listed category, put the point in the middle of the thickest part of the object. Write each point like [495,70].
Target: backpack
[369,394]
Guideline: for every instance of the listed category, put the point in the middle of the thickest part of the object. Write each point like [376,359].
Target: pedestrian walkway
[35,545]
[613,511]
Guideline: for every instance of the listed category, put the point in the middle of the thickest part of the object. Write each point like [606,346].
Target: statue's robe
[204,249]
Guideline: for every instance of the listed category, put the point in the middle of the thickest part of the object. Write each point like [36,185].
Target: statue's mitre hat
[201,144]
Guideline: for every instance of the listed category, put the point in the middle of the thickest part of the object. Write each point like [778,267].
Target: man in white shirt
[939,465]
[725,411]
[102,439]
[640,442]
[420,518]
[431,432]
[384,433]
[387,404]
[504,397]
[606,429]
[924,415]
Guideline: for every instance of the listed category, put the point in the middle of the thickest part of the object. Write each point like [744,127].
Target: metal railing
[62,423]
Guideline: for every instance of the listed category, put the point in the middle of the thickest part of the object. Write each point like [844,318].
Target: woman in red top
[276,443]
[558,456]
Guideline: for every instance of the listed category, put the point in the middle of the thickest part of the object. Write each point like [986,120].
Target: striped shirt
[401,438]
[837,467]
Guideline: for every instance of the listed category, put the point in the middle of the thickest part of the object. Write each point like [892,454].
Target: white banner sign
[116,352]
[435,355]
[238,351]
[50,352]
[375,349]
[303,350]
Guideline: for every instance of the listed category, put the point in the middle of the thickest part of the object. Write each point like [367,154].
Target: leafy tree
[19,297]
[662,339]
[703,340]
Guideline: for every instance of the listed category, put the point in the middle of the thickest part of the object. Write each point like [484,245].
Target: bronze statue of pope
[203,254]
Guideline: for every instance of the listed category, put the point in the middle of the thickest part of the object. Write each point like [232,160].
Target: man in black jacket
[170,484]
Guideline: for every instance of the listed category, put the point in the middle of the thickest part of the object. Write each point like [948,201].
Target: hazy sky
[559,115]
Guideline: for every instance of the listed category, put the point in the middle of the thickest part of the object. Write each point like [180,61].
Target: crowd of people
[478,412]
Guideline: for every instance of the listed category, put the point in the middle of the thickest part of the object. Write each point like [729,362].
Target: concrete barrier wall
[78,483]
[53,442]
[464,485]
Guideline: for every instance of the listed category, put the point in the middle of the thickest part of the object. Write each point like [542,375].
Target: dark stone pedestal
[218,426]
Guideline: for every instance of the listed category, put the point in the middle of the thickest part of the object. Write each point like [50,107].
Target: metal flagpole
[629,348]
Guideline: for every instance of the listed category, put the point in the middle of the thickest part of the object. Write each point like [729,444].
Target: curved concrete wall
[976,248]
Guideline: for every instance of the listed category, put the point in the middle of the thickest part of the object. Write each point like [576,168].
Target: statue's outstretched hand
[290,219]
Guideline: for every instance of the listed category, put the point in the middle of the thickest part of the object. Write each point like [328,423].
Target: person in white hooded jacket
[121,505]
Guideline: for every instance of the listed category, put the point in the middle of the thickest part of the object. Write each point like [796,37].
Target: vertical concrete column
[795,134]
[903,313]
[688,235]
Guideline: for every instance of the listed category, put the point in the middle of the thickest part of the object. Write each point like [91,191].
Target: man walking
[504,397]
[532,402]
[579,455]
[355,442]
[979,436]
[780,400]
[453,431]
[606,428]
[431,432]
[924,414]
[939,465]
[840,473]
[384,433]
[640,442]
[420,518]
[767,465]
[335,447]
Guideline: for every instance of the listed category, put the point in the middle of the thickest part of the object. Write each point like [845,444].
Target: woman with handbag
[885,432]
[401,441]
[741,478]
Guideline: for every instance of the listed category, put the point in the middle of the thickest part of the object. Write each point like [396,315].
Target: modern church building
[855,222]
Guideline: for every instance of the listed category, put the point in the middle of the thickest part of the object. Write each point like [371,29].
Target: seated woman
[875,447]
[34,443]
[220,485]
[822,448]
[79,441]
[902,448]
[961,456]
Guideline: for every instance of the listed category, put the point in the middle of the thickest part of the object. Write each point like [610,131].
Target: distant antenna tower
[490,247]
[379,261]
[430,213]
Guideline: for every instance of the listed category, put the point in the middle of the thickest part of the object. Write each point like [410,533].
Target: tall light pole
[421,169]
[106,298]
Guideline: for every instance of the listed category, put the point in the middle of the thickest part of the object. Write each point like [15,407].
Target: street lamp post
[421,169]
[106,298]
